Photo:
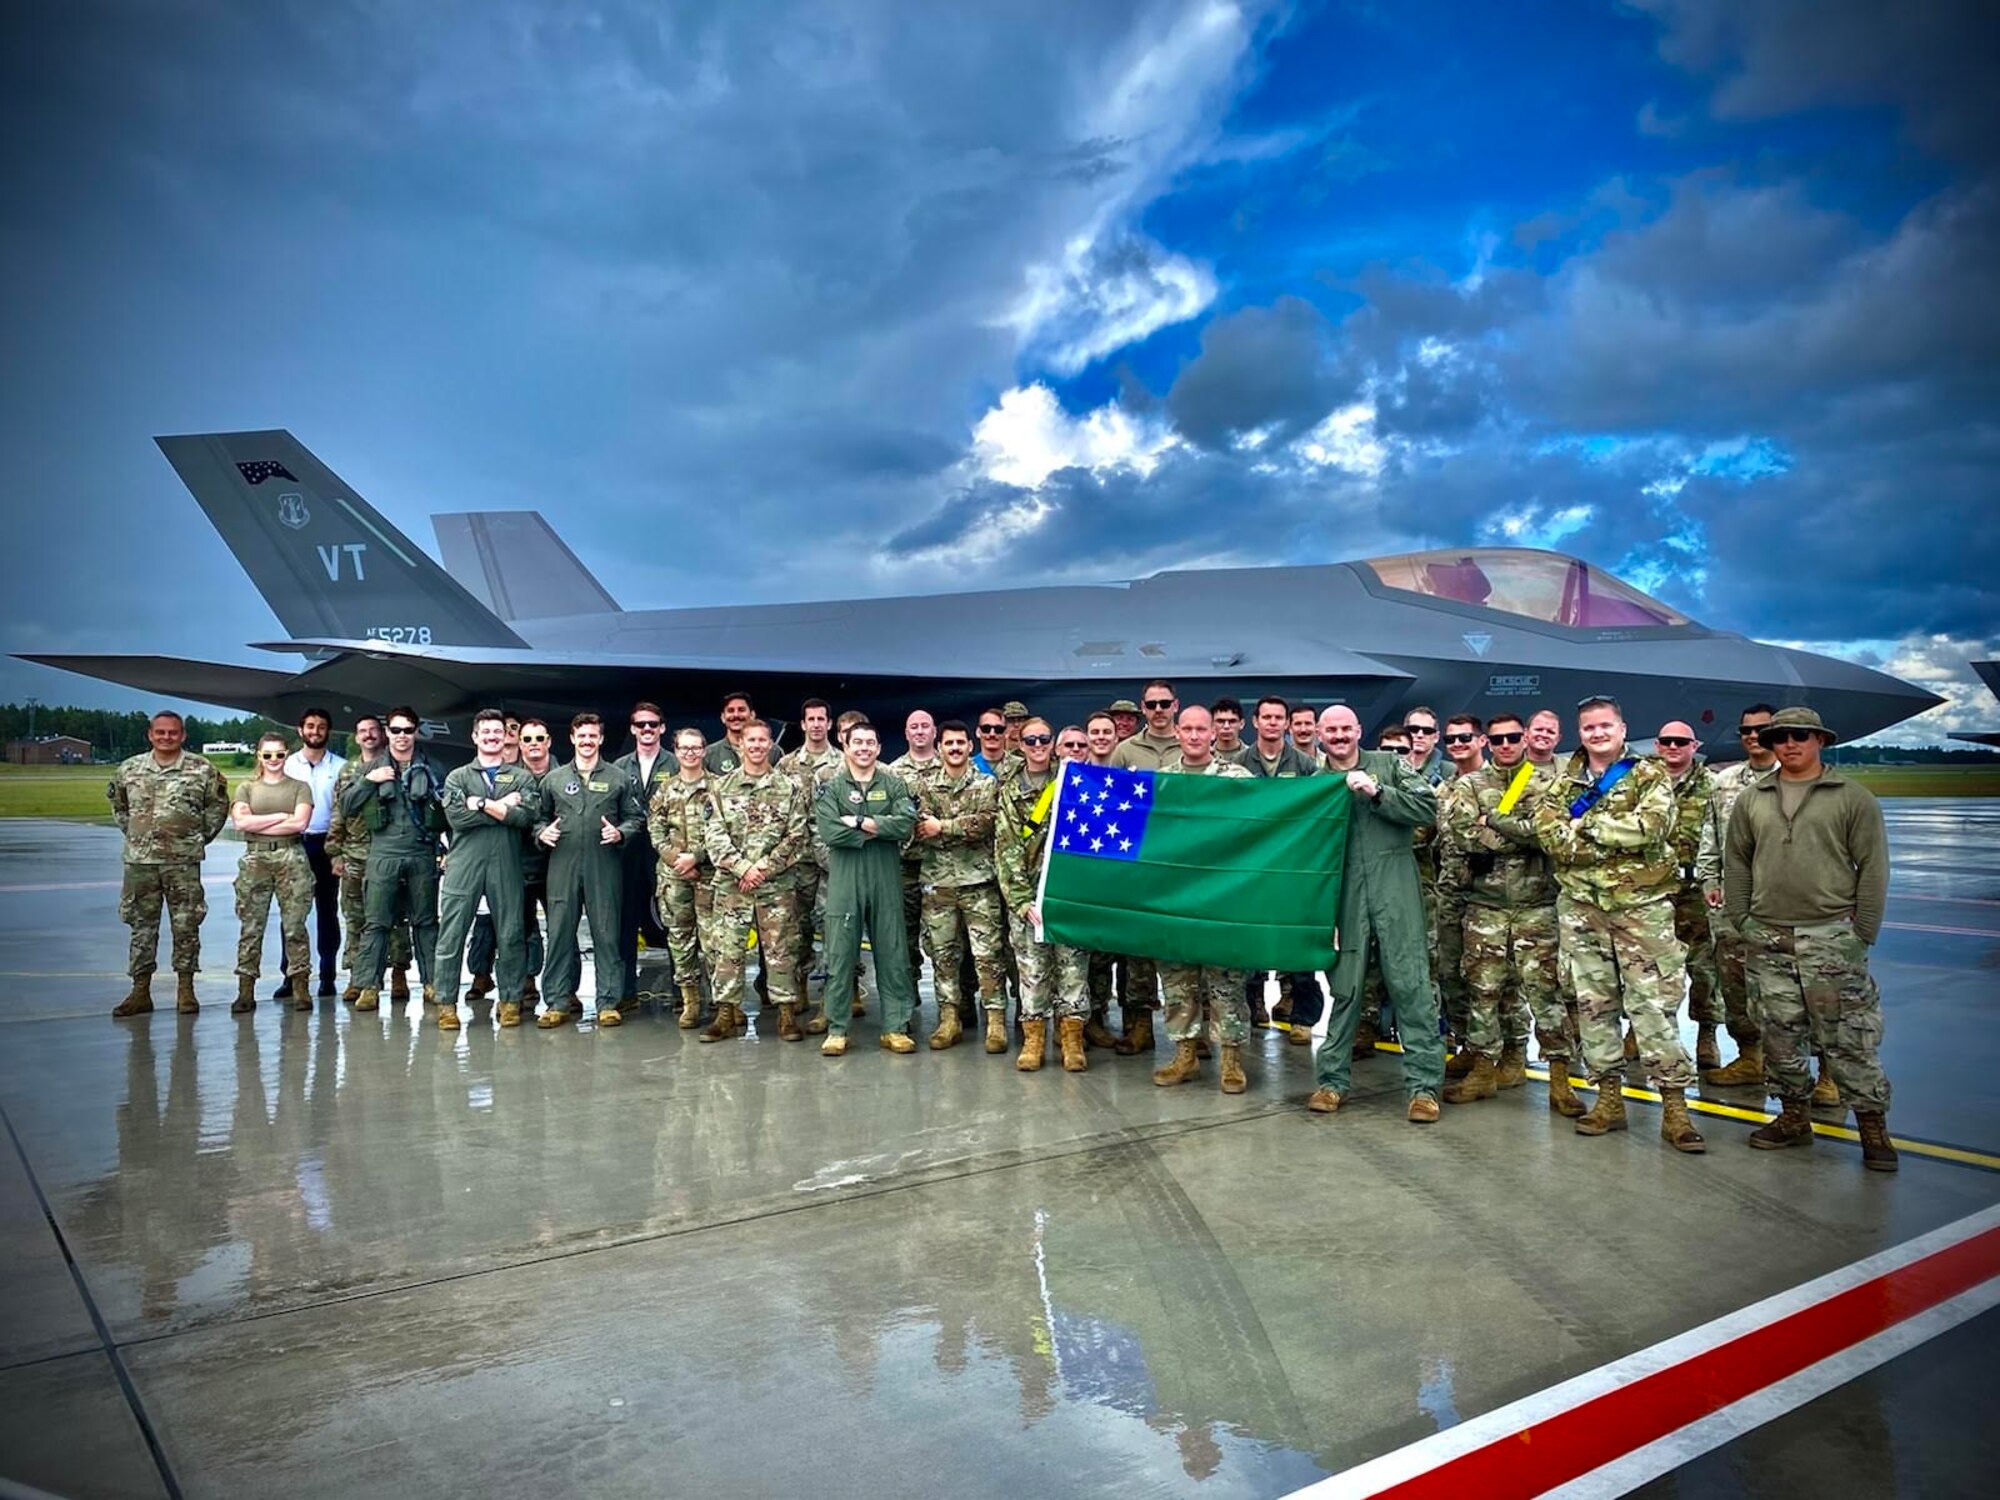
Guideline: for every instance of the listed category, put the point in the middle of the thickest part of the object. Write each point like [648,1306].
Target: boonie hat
[1014,708]
[1798,718]
[1122,706]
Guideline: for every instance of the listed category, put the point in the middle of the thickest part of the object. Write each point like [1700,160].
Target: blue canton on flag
[1104,812]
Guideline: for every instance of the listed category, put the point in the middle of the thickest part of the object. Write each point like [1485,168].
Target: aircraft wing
[252,689]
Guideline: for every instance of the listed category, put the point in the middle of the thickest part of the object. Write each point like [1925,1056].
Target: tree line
[112,735]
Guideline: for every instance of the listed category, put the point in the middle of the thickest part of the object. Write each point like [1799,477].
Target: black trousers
[641,870]
[326,906]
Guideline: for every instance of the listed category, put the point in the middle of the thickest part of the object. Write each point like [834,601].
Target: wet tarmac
[321,1253]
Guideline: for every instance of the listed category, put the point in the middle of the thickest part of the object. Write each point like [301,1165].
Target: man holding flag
[1196,991]
[1054,975]
[1381,907]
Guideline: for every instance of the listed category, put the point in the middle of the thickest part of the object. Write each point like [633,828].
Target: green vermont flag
[1238,873]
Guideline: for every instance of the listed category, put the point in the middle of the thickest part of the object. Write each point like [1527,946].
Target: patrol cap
[1014,708]
[1797,718]
[1122,706]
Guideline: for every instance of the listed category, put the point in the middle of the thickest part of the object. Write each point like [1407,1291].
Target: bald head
[1340,736]
[1677,744]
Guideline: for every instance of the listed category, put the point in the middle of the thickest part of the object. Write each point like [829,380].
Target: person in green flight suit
[487,803]
[1381,907]
[864,816]
[589,809]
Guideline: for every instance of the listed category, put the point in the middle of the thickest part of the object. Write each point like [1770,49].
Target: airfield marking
[1936,1150]
[1985,932]
[1628,1422]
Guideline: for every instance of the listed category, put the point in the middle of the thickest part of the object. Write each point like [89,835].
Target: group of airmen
[1493,891]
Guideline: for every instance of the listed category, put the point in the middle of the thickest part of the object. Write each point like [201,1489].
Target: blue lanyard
[1612,776]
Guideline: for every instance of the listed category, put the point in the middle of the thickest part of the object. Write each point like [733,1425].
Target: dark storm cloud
[1263,367]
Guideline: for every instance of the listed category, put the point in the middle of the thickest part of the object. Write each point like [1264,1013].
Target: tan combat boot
[368,1000]
[1480,1082]
[1878,1153]
[996,1030]
[353,991]
[479,989]
[1366,1035]
[722,1028]
[1608,1113]
[611,1015]
[138,1000]
[834,1045]
[1562,1093]
[1423,1110]
[399,985]
[430,994]
[246,995]
[1461,1063]
[529,993]
[1512,1069]
[302,995]
[184,999]
[1070,1035]
[1234,1080]
[1748,1069]
[1676,1129]
[897,1041]
[1791,1127]
[1298,1034]
[948,1029]
[815,1024]
[690,1007]
[448,1017]
[1185,1064]
[510,1013]
[1034,1038]
[1825,1094]
[788,1024]
[1707,1054]
[1138,1038]
[1097,1034]
[556,1014]
[1324,1101]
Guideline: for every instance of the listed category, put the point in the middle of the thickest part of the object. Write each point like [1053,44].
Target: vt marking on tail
[329,558]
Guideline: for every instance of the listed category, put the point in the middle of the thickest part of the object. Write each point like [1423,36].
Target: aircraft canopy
[1544,586]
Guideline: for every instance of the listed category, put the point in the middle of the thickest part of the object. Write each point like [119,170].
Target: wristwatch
[474,803]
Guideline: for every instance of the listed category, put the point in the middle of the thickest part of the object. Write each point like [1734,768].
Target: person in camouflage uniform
[1509,895]
[1694,784]
[685,891]
[347,848]
[1201,998]
[1053,976]
[1607,823]
[961,893]
[754,831]
[1807,862]
[170,805]
[920,734]
[271,811]
[1739,1011]
[809,765]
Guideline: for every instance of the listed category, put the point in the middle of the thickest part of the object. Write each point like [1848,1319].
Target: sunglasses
[1072,745]
[646,724]
[1159,703]
[992,728]
[1673,740]
[1420,728]
[1504,739]
[272,755]
[534,739]
[402,729]
[1460,739]
[1787,736]
[1038,739]
[1746,730]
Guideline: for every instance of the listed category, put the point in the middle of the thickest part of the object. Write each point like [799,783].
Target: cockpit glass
[1540,585]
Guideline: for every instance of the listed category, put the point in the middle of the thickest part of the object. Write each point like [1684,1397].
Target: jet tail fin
[513,562]
[325,561]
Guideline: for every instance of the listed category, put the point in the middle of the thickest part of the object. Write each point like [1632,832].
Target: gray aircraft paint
[408,632]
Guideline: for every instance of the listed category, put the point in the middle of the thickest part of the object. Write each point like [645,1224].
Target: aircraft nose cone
[1855,701]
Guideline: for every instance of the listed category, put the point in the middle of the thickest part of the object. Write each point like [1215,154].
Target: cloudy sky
[769,301]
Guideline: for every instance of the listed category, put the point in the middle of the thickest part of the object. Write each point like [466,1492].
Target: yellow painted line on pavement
[1936,1150]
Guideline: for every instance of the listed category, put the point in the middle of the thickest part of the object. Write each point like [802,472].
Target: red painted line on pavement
[1572,1443]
